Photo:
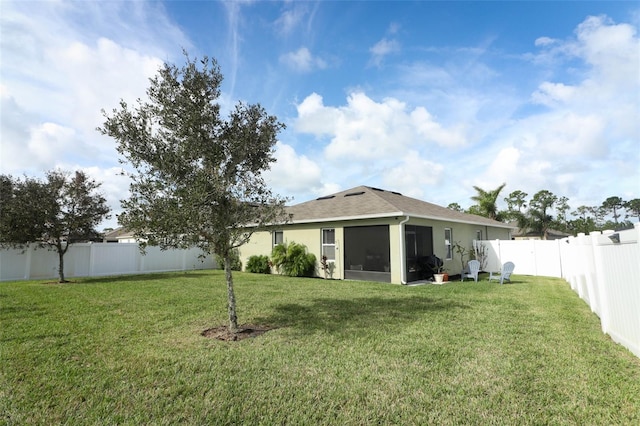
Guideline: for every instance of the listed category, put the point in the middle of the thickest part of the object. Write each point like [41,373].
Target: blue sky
[426,98]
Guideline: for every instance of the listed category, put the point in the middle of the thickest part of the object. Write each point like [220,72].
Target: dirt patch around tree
[245,331]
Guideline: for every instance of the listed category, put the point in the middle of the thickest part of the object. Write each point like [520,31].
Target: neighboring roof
[118,233]
[364,202]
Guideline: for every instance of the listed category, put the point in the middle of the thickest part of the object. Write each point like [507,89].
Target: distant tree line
[545,211]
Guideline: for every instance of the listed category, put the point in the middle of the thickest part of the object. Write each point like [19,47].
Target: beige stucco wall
[463,234]
[311,236]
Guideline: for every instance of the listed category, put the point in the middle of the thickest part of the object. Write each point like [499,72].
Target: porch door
[367,253]
[418,247]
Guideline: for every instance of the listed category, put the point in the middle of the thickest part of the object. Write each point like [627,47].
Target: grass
[128,350]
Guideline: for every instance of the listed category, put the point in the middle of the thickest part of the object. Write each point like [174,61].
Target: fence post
[601,288]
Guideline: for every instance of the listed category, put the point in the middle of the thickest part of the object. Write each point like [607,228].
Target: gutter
[396,214]
[403,248]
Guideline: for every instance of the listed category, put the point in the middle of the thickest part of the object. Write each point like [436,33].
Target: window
[448,243]
[479,235]
[329,244]
[278,237]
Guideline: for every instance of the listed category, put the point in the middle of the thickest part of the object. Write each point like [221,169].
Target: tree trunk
[231,298]
[61,265]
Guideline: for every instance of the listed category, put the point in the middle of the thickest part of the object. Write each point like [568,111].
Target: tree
[455,207]
[198,177]
[53,214]
[487,201]
[632,208]
[562,207]
[538,217]
[516,201]
[613,205]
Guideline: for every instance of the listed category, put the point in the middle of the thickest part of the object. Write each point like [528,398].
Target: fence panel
[107,258]
[547,258]
[97,259]
[531,257]
[43,264]
[14,264]
[618,286]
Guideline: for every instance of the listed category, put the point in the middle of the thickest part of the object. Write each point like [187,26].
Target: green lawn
[128,350]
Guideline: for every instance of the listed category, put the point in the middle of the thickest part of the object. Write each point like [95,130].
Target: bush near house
[259,265]
[292,259]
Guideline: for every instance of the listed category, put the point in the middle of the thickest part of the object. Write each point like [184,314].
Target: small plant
[480,252]
[327,267]
[259,265]
[462,251]
[292,259]
[236,264]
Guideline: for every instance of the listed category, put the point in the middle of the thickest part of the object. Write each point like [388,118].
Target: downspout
[403,249]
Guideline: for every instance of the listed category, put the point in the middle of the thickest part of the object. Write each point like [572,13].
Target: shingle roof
[118,233]
[367,202]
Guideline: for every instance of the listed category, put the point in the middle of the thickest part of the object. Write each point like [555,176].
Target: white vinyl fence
[97,259]
[602,268]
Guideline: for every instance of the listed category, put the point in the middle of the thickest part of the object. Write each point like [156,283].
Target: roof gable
[368,202]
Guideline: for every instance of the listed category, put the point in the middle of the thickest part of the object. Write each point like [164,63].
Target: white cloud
[114,187]
[48,140]
[62,63]
[289,20]
[302,61]
[544,41]
[379,143]
[427,127]
[394,27]
[551,94]
[294,173]
[61,112]
[414,175]
[383,48]
[365,130]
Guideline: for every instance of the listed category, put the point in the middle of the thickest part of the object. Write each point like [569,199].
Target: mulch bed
[245,331]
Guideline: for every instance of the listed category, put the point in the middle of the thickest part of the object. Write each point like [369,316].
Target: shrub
[293,260]
[259,265]
[236,264]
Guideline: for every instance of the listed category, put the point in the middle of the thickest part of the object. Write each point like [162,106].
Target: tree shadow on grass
[358,315]
[139,277]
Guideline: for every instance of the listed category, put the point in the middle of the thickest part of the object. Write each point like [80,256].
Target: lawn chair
[505,274]
[474,267]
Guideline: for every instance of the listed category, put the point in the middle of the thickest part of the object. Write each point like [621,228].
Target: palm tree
[487,202]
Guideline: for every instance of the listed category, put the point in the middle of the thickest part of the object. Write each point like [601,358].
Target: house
[376,235]
[119,235]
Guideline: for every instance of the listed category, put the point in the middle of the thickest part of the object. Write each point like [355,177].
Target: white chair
[474,267]
[505,274]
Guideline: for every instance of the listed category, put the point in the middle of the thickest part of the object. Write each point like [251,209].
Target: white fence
[97,259]
[603,268]
[532,257]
